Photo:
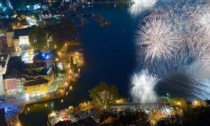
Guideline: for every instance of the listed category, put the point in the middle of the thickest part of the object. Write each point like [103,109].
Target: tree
[38,37]
[49,36]
[103,95]
[85,106]
[61,32]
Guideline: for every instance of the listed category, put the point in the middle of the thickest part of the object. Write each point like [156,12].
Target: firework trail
[193,80]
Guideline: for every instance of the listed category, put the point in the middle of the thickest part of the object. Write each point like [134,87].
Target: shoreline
[65,86]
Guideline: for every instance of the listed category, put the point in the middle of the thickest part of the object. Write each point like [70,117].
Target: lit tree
[103,95]
[85,106]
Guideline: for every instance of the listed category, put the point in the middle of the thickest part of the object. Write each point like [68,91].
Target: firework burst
[159,37]
[174,41]
[143,87]
[141,5]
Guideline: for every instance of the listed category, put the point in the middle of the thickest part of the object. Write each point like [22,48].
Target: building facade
[36,87]
[1,84]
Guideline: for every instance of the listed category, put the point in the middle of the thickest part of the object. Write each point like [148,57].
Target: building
[36,87]
[1,85]
[10,39]
[39,85]
[33,79]
[18,39]
[43,58]
[13,83]
[21,39]
[27,56]
[4,58]
[47,73]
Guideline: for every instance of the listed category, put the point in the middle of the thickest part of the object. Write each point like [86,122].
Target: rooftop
[33,65]
[13,74]
[42,56]
[36,81]
[22,32]
[45,71]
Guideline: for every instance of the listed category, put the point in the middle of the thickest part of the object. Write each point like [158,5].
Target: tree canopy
[38,37]
[47,37]
[103,95]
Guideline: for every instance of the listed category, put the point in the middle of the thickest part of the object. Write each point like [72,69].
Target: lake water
[109,54]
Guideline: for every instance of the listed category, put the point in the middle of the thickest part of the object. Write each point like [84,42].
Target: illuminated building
[18,39]
[27,56]
[28,80]
[11,84]
[36,87]
[21,39]
[39,85]
[4,58]
[10,36]
[43,58]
